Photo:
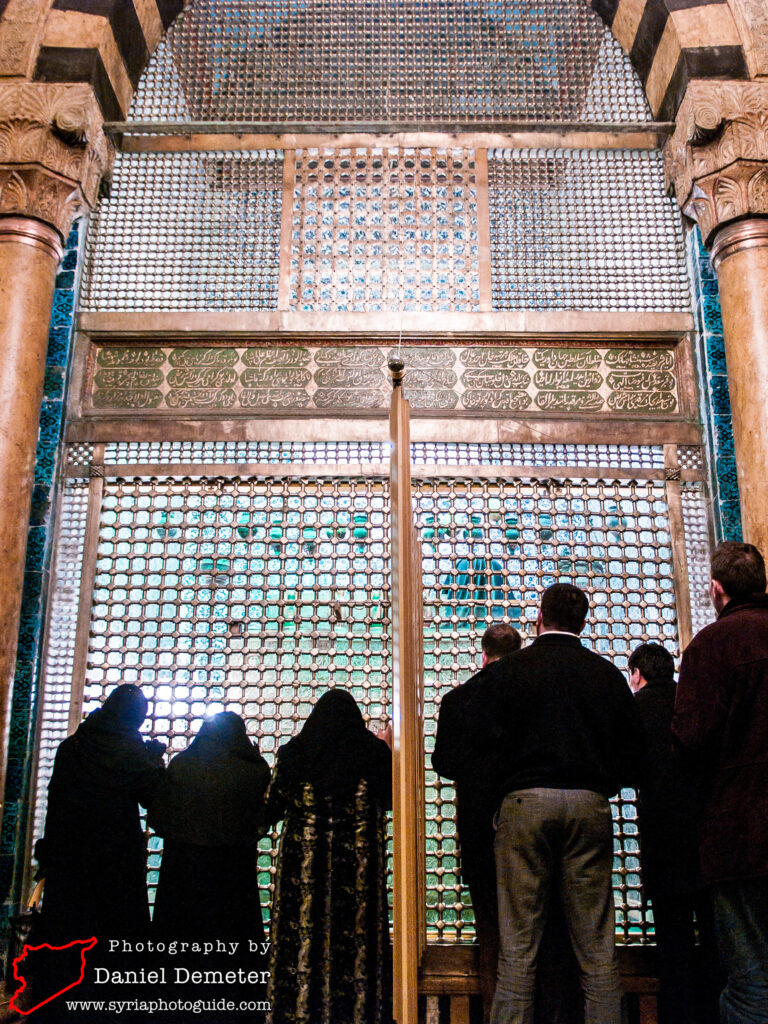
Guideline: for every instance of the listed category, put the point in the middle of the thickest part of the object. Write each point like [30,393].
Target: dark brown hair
[739,569]
[564,606]
[655,663]
[500,639]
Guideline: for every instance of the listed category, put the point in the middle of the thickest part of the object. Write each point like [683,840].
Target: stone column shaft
[53,155]
[740,257]
[30,252]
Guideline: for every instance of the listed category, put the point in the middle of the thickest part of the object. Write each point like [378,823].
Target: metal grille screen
[584,229]
[254,593]
[490,547]
[186,231]
[62,631]
[374,60]
[388,229]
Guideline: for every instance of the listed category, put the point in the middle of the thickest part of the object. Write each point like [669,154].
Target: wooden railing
[450,993]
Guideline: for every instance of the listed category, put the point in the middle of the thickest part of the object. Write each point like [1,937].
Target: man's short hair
[500,639]
[739,569]
[564,607]
[655,663]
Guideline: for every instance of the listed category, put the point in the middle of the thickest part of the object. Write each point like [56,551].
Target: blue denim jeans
[548,837]
[741,926]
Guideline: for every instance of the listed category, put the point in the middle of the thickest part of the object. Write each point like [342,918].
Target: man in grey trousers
[566,736]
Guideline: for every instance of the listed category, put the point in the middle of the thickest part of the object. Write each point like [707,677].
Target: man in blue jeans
[565,734]
[721,726]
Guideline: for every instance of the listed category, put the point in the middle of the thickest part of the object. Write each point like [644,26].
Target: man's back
[669,799]
[562,717]
[721,719]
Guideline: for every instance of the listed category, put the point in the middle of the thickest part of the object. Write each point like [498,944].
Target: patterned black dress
[330,952]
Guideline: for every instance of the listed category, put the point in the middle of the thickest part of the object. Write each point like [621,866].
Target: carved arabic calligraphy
[203,356]
[209,377]
[497,401]
[432,399]
[279,376]
[629,401]
[353,398]
[499,358]
[125,377]
[638,380]
[286,356]
[114,398]
[123,355]
[568,380]
[201,398]
[495,379]
[349,357]
[622,379]
[569,401]
[349,376]
[274,398]
[424,356]
[567,358]
[639,359]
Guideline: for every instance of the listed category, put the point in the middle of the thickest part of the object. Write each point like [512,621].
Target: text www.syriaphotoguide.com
[164,1005]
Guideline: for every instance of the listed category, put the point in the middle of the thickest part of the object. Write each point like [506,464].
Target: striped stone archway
[107,43]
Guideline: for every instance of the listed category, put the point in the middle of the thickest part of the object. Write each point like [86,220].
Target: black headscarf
[100,776]
[108,742]
[213,792]
[334,750]
[124,710]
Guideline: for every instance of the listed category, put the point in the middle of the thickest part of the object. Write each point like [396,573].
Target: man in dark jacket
[566,736]
[461,754]
[721,723]
[668,801]
[457,757]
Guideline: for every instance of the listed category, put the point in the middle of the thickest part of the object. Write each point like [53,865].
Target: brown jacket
[721,725]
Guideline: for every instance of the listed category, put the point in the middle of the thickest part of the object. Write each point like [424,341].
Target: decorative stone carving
[53,151]
[21,27]
[717,159]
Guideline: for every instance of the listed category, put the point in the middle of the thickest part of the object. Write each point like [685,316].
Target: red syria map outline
[85,943]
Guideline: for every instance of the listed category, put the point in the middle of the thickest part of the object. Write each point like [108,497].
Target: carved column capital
[717,159]
[53,151]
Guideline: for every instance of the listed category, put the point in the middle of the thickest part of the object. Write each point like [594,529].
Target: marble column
[30,251]
[717,163]
[740,257]
[53,154]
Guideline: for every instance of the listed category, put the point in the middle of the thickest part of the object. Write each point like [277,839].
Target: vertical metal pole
[407,700]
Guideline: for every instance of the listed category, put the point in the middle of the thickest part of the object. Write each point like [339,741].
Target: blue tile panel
[26,688]
[713,388]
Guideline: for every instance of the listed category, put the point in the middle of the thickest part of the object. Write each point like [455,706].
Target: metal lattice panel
[255,593]
[584,229]
[186,231]
[248,595]
[691,456]
[697,552]
[392,229]
[423,453]
[62,630]
[373,60]
[618,456]
[490,548]
[126,453]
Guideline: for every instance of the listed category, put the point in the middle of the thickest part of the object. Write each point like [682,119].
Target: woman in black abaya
[93,855]
[330,955]
[210,812]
